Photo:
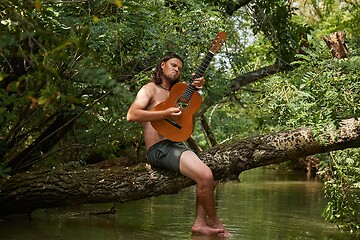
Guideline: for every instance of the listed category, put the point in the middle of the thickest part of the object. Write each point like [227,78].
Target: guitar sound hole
[183,103]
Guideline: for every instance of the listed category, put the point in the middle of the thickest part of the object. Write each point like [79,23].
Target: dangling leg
[206,221]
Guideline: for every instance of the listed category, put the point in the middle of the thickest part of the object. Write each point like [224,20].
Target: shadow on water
[265,205]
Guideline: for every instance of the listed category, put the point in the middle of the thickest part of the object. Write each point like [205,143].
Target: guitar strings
[200,71]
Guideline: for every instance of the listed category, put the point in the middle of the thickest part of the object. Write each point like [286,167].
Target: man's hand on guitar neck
[198,82]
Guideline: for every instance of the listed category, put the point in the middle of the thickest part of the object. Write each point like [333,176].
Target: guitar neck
[204,65]
[199,73]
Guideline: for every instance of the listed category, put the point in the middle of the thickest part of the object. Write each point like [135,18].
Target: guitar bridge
[175,124]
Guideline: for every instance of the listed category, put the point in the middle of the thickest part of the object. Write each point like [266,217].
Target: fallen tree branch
[75,184]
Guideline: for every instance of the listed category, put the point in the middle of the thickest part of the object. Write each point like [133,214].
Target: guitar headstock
[218,41]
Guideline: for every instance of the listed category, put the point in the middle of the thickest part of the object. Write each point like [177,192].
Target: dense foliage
[70,69]
[67,69]
[322,92]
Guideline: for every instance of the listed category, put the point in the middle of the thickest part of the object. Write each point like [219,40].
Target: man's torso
[159,95]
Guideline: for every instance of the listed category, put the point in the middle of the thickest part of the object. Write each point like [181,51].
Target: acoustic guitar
[187,98]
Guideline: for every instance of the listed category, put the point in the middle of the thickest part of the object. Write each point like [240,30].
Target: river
[265,204]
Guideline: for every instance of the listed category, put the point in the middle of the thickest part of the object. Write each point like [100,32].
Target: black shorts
[166,154]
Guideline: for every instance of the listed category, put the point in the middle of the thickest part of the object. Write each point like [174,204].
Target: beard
[171,76]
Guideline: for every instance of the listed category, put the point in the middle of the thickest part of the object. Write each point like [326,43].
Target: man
[162,152]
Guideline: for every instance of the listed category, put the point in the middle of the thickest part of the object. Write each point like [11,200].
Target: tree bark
[336,43]
[194,145]
[208,132]
[74,184]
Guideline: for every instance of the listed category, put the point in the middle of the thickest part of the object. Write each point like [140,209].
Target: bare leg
[207,221]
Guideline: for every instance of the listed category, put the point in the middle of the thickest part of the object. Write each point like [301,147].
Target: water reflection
[198,237]
[264,205]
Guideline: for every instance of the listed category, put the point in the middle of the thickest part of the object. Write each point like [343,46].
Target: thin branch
[63,126]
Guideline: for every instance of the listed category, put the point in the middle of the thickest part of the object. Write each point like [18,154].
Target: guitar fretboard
[199,73]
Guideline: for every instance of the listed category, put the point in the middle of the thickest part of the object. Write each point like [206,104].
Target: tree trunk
[74,184]
[194,145]
[208,132]
[336,43]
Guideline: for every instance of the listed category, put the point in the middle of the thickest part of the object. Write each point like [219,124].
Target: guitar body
[180,129]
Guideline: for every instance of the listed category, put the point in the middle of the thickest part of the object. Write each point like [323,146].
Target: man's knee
[207,178]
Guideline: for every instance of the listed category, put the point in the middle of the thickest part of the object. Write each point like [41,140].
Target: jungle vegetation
[70,69]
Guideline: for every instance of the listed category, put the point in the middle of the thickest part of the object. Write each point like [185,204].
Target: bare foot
[206,230]
[227,234]
[219,225]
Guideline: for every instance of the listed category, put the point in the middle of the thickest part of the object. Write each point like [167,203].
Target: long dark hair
[156,77]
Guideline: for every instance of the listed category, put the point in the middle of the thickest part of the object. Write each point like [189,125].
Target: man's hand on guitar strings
[174,113]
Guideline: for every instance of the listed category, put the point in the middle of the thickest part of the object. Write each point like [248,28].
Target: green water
[264,205]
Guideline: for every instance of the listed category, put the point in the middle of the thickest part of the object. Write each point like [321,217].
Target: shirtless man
[162,152]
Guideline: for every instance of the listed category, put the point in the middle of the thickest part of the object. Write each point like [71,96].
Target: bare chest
[160,96]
